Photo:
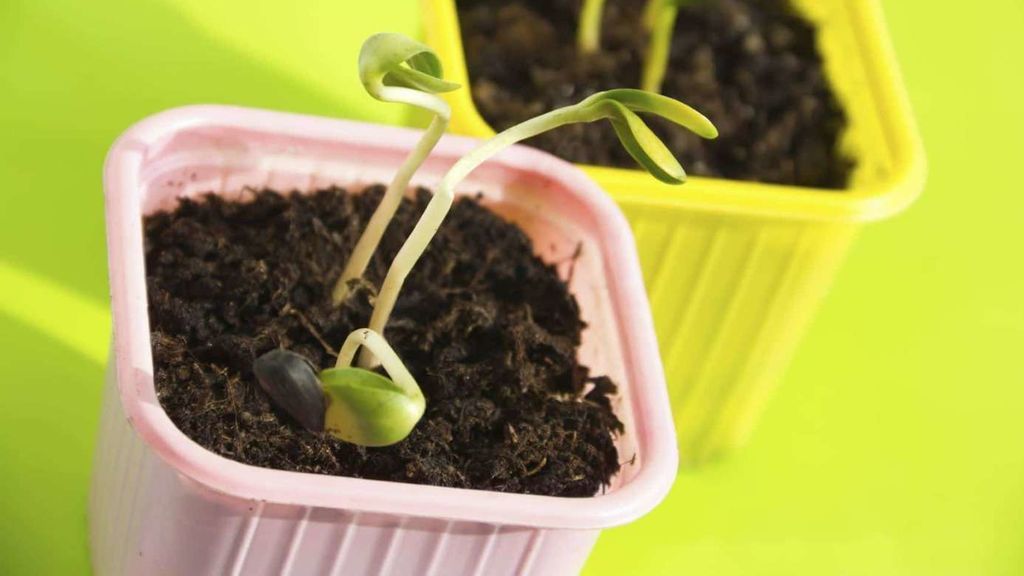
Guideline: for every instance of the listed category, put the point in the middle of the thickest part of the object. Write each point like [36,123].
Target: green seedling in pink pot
[355,403]
[395,68]
[620,107]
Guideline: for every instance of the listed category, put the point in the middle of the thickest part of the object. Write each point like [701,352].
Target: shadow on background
[49,409]
[74,75]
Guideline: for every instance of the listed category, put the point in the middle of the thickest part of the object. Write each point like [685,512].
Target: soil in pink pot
[488,329]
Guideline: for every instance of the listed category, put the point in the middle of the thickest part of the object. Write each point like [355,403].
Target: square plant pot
[736,270]
[162,504]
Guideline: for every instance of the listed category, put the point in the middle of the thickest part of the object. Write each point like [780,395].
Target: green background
[895,445]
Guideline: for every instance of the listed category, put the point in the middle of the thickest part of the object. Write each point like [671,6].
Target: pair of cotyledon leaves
[396,60]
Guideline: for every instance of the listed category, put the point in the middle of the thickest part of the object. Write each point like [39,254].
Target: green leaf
[410,78]
[427,62]
[668,108]
[620,107]
[368,409]
[645,147]
[396,60]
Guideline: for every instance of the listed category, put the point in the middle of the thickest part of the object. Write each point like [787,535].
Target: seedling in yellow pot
[736,265]
[660,20]
[588,34]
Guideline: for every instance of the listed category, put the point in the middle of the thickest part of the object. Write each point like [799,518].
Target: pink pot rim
[134,365]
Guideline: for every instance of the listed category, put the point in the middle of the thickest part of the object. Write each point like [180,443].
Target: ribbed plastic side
[731,298]
[146,519]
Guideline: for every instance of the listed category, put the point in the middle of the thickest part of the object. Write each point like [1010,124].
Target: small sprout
[364,407]
[651,10]
[618,106]
[352,404]
[394,68]
[588,31]
[660,21]
[291,382]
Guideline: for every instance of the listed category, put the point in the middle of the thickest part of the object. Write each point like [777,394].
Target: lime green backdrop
[895,446]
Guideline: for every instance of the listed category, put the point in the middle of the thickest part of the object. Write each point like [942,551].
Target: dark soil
[489,331]
[751,66]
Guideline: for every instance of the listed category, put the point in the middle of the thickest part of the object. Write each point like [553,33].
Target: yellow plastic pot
[736,270]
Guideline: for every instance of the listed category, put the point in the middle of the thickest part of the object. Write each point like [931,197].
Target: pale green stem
[439,205]
[651,10]
[658,49]
[383,351]
[370,239]
[588,34]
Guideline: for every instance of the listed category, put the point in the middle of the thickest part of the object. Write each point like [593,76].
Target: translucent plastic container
[736,270]
[162,504]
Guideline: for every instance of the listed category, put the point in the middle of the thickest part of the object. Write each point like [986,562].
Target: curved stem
[439,205]
[375,228]
[588,33]
[659,48]
[383,351]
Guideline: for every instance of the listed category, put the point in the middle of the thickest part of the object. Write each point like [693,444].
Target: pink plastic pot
[161,504]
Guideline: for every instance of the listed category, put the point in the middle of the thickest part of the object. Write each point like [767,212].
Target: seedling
[660,21]
[366,408]
[651,10]
[395,68]
[659,18]
[620,107]
[353,404]
[588,31]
